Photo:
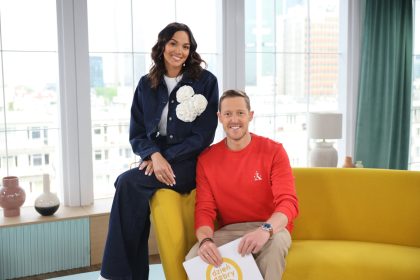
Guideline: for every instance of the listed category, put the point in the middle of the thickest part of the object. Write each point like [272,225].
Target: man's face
[235,117]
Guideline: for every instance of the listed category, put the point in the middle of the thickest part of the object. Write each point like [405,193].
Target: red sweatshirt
[244,186]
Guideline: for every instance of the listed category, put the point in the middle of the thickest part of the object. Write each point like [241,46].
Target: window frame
[74,79]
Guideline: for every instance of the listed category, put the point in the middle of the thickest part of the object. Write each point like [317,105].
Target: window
[97,131]
[37,160]
[120,40]
[35,133]
[29,93]
[292,67]
[291,61]
[98,155]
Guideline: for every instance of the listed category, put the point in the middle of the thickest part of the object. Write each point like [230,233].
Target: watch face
[266,226]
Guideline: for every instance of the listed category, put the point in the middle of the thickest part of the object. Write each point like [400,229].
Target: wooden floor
[153,259]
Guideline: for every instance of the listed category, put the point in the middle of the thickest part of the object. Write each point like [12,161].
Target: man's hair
[235,93]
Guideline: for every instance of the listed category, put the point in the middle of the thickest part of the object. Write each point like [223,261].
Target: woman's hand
[162,169]
[148,164]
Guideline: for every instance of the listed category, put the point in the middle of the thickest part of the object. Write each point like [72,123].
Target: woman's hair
[192,65]
[235,93]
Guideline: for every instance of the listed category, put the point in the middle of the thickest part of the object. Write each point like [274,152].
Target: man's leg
[271,260]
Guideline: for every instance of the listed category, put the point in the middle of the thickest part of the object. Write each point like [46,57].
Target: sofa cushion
[328,259]
[360,204]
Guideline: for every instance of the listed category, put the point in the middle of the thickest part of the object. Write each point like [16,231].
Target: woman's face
[176,53]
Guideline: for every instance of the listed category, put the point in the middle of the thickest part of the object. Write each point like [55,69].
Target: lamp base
[323,155]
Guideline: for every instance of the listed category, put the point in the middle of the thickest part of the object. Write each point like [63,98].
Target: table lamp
[324,126]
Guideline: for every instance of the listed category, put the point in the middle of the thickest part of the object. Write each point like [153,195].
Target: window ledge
[28,215]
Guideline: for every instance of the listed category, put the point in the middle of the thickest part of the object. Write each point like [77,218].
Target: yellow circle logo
[229,270]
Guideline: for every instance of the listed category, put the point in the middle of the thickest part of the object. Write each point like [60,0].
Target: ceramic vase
[359,164]
[12,196]
[47,203]
[348,162]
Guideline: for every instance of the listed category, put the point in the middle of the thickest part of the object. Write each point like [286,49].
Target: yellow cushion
[351,260]
[359,204]
[173,220]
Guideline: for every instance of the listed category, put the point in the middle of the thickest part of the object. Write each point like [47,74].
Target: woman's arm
[140,143]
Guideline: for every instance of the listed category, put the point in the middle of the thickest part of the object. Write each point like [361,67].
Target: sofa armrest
[173,220]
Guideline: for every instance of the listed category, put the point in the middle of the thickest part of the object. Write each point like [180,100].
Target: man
[246,182]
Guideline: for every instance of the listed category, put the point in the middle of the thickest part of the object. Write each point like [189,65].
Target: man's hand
[253,241]
[162,169]
[210,254]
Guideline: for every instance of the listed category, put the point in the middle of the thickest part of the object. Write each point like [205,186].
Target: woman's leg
[126,249]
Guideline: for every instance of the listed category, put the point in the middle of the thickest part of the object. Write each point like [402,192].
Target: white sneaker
[101,278]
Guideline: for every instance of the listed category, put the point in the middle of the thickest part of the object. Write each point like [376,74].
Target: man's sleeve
[283,185]
[205,205]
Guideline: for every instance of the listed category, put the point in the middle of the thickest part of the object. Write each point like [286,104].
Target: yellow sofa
[353,224]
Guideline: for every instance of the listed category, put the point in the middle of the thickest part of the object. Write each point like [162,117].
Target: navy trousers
[126,255]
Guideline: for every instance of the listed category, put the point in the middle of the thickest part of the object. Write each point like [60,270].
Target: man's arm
[278,221]
[283,186]
[253,241]
[204,232]
[285,202]
[205,214]
[207,250]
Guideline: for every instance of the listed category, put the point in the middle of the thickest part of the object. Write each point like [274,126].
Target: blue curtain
[384,102]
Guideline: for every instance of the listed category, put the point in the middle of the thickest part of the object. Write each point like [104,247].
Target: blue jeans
[126,254]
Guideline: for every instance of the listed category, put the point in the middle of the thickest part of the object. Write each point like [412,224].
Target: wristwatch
[267,227]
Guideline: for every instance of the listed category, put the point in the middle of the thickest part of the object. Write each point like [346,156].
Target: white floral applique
[190,105]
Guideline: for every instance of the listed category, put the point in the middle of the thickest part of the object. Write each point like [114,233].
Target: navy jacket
[184,140]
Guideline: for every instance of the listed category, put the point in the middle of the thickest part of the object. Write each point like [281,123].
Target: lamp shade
[325,125]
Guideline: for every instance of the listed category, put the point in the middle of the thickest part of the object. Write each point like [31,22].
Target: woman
[173,118]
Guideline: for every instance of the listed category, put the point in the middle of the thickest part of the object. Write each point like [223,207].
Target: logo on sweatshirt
[257,176]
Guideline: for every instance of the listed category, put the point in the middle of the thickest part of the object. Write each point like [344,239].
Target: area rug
[156,273]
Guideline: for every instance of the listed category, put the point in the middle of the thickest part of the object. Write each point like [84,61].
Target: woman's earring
[183,65]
